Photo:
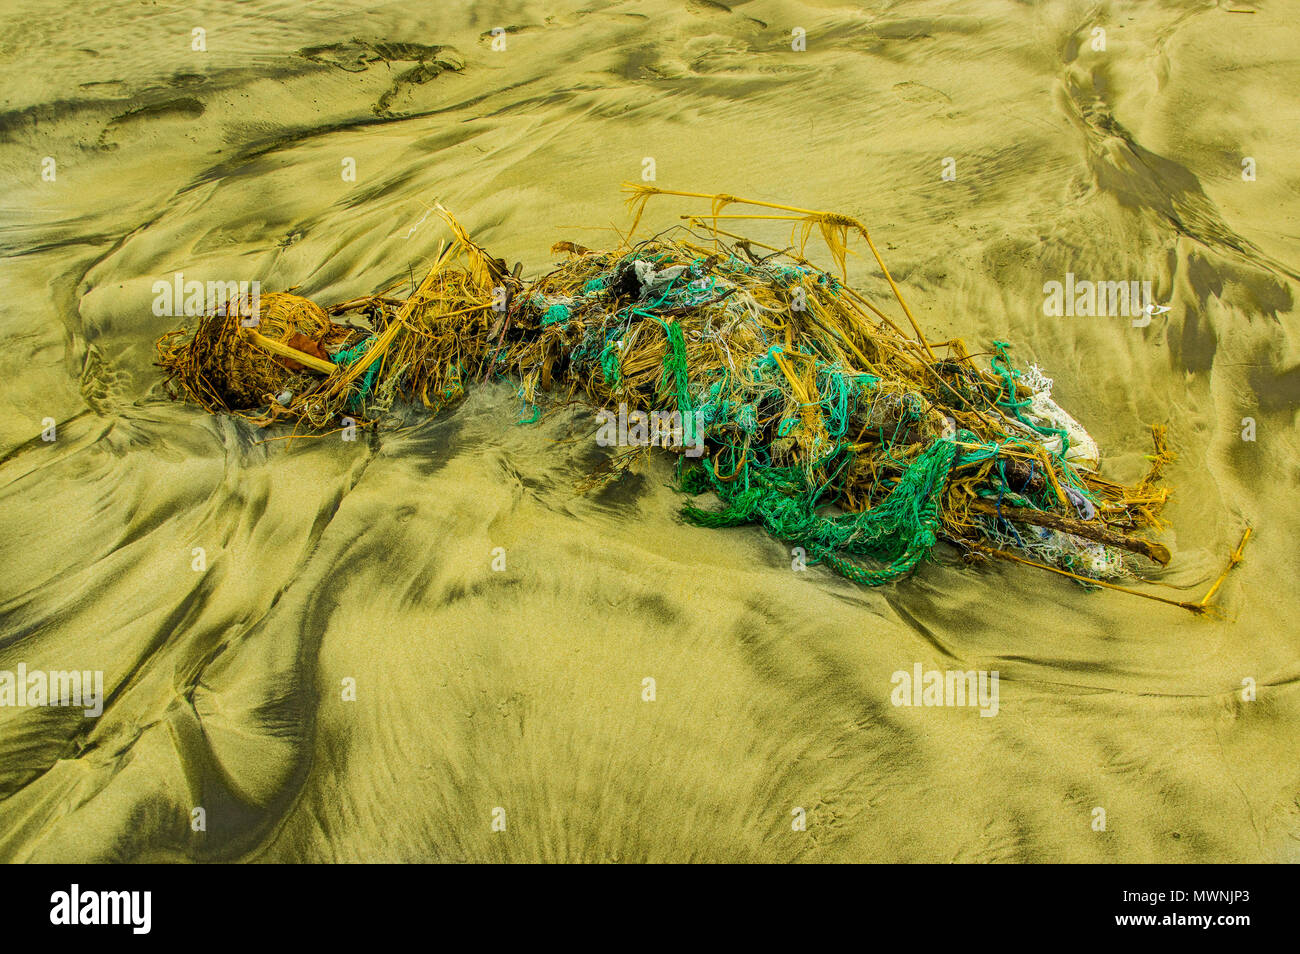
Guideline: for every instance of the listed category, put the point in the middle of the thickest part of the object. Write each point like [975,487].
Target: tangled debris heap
[822,419]
[283,358]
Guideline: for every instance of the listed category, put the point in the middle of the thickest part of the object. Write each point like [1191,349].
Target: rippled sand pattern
[522,690]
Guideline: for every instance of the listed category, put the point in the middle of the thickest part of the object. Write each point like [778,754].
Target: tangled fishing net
[820,418]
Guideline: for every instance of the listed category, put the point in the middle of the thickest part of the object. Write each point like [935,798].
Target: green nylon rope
[674,378]
[346,358]
[1001,365]
[899,532]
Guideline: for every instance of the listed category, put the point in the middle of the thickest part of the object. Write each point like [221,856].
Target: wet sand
[484,694]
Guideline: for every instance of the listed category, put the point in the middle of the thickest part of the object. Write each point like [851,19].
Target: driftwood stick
[1080,528]
[1233,559]
[1197,608]
[284,351]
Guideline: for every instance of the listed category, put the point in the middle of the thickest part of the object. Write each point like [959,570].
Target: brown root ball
[222,368]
